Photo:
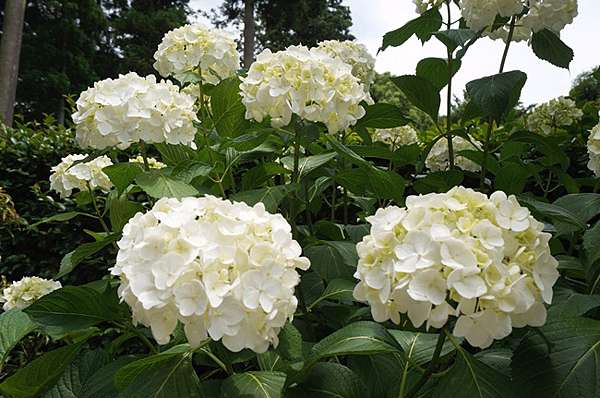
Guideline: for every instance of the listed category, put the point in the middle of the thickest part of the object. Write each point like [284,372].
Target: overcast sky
[372,18]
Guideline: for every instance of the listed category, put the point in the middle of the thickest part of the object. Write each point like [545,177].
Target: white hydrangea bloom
[550,14]
[133,108]
[23,293]
[397,136]
[152,163]
[308,83]
[460,253]
[210,52]
[593,146]
[556,113]
[437,159]
[479,14]
[224,270]
[424,5]
[354,54]
[520,33]
[66,177]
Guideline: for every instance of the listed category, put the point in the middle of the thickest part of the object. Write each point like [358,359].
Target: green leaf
[175,154]
[454,38]
[260,174]
[382,116]
[330,380]
[100,384]
[61,217]
[75,257]
[269,196]
[471,378]
[75,308]
[511,178]
[568,369]
[438,181]
[308,163]
[548,46]
[564,220]
[337,289]
[14,325]
[380,373]
[421,93]
[423,27]
[227,108]
[187,170]
[435,70]
[254,385]
[419,347]
[554,154]
[121,210]
[31,380]
[567,303]
[123,174]
[585,206]
[348,153]
[159,186]
[290,343]
[591,239]
[497,94]
[327,260]
[73,381]
[386,184]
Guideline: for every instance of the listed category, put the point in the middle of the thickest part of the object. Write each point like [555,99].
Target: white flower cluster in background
[225,270]
[550,14]
[479,14]
[133,108]
[424,5]
[438,157]
[66,177]
[307,83]
[593,146]
[208,52]
[397,136]
[460,253]
[23,293]
[556,113]
[152,163]
[356,55]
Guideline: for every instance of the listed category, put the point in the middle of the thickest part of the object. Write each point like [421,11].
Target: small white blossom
[223,269]
[487,255]
[424,5]
[560,112]
[438,157]
[152,163]
[209,52]
[593,146]
[480,14]
[397,136]
[23,293]
[66,177]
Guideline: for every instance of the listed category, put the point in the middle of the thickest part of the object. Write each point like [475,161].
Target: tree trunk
[249,31]
[10,49]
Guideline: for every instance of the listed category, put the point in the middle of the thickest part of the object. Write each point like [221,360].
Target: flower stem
[511,32]
[432,365]
[144,155]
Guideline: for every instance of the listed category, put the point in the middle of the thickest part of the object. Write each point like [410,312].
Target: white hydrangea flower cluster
[556,113]
[224,270]
[308,83]
[593,146]
[211,53]
[479,14]
[424,5]
[397,136]
[354,54]
[438,157]
[21,294]
[550,14]
[152,163]
[66,177]
[133,108]
[460,253]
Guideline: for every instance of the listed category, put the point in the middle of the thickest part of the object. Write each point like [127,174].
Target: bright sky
[372,18]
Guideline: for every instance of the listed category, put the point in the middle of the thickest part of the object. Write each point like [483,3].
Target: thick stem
[432,365]
[511,32]
[449,97]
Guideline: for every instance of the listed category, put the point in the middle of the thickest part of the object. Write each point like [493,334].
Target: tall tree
[281,23]
[10,49]
[249,32]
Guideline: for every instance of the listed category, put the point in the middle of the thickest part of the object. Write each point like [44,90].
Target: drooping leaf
[75,257]
[159,186]
[454,38]
[435,70]
[60,217]
[382,116]
[548,46]
[421,93]
[423,27]
[497,94]
[100,384]
[254,385]
[564,220]
[14,325]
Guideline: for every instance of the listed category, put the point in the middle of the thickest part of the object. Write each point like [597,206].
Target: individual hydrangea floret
[593,146]
[223,269]
[356,55]
[119,112]
[397,136]
[424,5]
[480,14]
[66,176]
[438,157]
[308,83]
[550,14]
[208,52]
[152,163]
[483,260]
[23,293]
[560,112]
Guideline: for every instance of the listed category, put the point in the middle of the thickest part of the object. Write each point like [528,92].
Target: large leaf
[471,378]
[380,373]
[269,196]
[382,116]
[337,289]
[123,174]
[436,70]
[423,27]
[227,108]
[14,325]
[439,181]
[568,368]
[584,206]
[308,163]
[497,94]
[421,93]
[175,154]
[591,239]
[454,38]
[75,257]
[419,347]
[100,384]
[548,46]
[74,308]
[254,385]
[121,210]
[330,380]
[327,260]
[31,380]
[564,220]
[159,186]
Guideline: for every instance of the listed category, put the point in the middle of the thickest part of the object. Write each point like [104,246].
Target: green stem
[486,151]
[98,213]
[139,335]
[295,176]
[449,98]
[511,32]
[432,365]
[144,155]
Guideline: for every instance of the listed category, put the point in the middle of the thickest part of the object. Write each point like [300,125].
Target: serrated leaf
[227,108]
[269,196]
[423,27]
[329,263]
[254,385]
[158,186]
[454,38]
[121,209]
[75,257]
[290,342]
[497,94]
[14,325]
[548,46]
[174,154]
[123,174]
[382,116]
[421,93]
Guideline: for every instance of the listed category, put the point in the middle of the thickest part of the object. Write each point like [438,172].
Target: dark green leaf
[254,385]
[380,373]
[454,38]
[121,210]
[548,46]
[123,174]
[159,186]
[100,384]
[435,70]
[290,342]
[308,163]
[423,27]
[329,263]
[382,116]
[511,178]
[175,154]
[61,217]
[439,181]
[269,196]
[584,206]
[565,221]
[591,240]
[14,325]
[419,347]
[421,93]
[497,94]
[337,289]
[227,108]
[330,380]
[72,259]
